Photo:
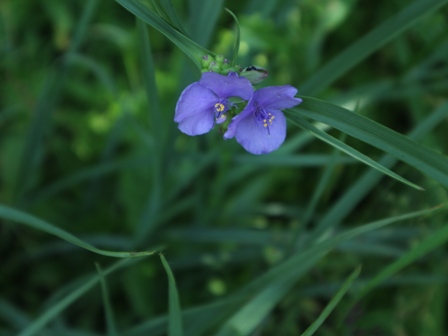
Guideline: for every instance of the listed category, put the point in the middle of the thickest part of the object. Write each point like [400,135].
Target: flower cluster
[260,127]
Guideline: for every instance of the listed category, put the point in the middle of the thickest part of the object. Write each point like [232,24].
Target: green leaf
[363,185]
[108,312]
[371,42]
[349,150]
[266,291]
[189,47]
[436,239]
[47,102]
[56,309]
[236,47]
[332,304]
[166,10]
[21,217]
[422,158]
[175,312]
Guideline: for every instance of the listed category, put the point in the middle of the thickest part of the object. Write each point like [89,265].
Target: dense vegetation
[104,202]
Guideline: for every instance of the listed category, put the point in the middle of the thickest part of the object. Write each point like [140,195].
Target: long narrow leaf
[56,309]
[175,313]
[369,43]
[189,47]
[108,311]
[356,193]
[436,239]
[349,150]
[236,47]
[332,304]
[267,290]
[24,218]
[427,161]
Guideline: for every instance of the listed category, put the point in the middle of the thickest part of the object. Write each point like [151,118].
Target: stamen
[219,107]
[220,112]
[265,117]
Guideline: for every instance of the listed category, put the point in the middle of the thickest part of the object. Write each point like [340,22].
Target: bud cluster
[218,64]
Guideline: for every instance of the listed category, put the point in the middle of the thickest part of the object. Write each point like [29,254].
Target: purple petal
[277,97]
[194,110]
[227,86]
[256,138]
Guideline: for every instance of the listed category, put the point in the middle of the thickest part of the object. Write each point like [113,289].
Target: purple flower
[261,127]
[204,103]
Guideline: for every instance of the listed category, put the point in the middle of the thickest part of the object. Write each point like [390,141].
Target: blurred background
[88,144]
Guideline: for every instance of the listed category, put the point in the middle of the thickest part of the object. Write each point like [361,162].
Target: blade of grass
[12,315]
[349,150]
[166,10]
[366,45]
[332,304]
[368,180]
[267,290]
[48,99]
[324,182]
[59,307]
[175,313]
[110,321]
[236,47]
[189,47]
[298,160]
[422,158]
[436,239]
[204,15]
[21,217]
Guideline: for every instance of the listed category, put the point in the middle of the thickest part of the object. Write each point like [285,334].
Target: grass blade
[236,47]
[366,45]
[438,238]
[56,309]
[189,47]
[166,9]
[111,329]
[349,150]
[422,158]
[267,290]
[21,217]
[332,304]
[204,15]
[48,99]
[175,313]
[356,193]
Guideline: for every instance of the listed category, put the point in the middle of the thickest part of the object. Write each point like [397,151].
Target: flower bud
[206,60]
[254,74]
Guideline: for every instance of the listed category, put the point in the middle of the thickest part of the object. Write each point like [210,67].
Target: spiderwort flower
[261,127]
[206,102]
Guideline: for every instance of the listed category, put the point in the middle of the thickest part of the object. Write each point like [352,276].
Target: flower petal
[257,139]
[194,110]
[277,97]
[227,86]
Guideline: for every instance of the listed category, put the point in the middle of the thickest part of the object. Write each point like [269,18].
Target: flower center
[220,112]
[265,117]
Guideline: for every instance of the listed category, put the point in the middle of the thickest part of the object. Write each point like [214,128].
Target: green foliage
[92,168]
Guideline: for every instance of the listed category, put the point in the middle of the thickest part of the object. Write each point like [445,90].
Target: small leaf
[175,312]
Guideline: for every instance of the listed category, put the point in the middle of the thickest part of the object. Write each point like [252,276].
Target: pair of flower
[261,126]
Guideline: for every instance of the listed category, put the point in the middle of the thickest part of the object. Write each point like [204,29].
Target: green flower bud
[254,74]
[215,67]
[206,60]
[219,59]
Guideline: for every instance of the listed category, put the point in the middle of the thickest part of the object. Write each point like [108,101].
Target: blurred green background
[89,145]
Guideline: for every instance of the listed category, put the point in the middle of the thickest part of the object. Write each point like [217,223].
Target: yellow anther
[219,107]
